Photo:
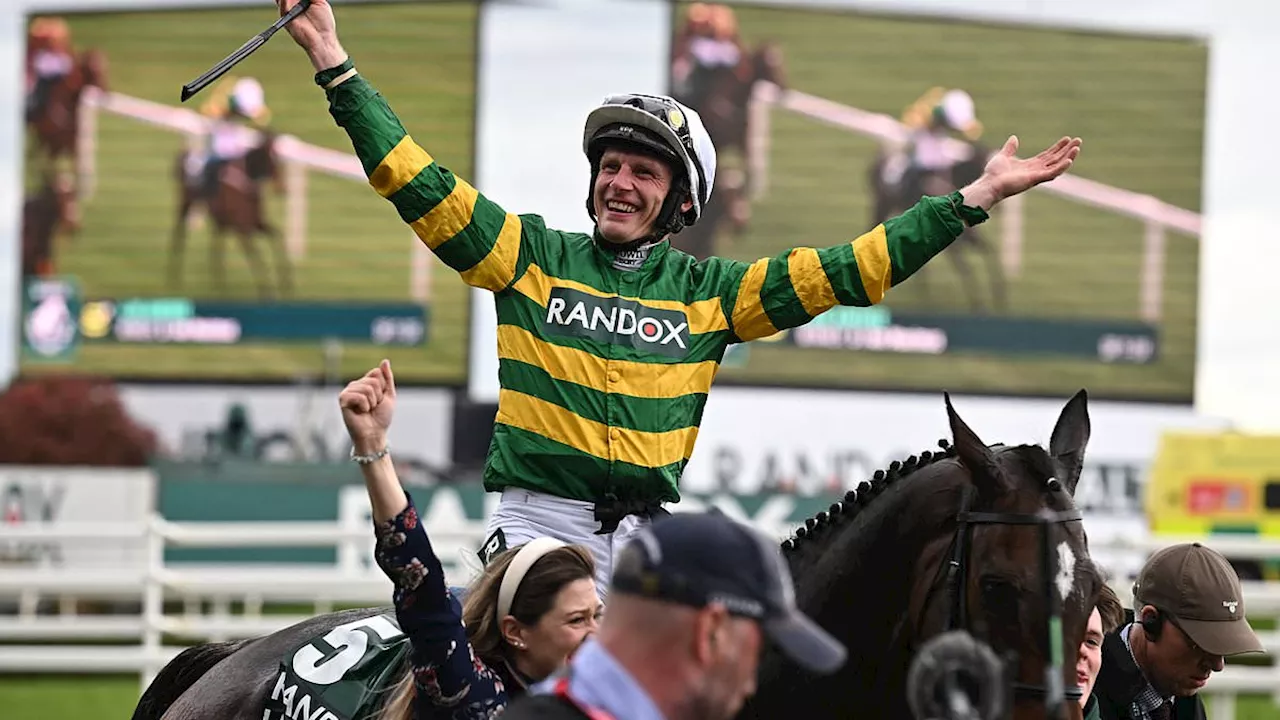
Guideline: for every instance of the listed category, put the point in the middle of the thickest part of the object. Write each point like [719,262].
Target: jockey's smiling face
[628,194]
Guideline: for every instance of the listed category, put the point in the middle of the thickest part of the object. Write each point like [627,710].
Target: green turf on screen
[421,55]
[1137,103]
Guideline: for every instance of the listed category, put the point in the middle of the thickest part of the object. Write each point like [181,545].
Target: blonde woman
[529,610]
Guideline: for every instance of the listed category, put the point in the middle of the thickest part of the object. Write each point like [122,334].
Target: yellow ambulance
[1217,483]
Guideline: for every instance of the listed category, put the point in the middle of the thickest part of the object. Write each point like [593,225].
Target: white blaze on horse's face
[1066,577]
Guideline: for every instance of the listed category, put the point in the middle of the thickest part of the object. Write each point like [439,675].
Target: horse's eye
[999,595]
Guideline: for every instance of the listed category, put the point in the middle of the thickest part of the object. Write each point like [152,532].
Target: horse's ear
[1070,436]
[974,454]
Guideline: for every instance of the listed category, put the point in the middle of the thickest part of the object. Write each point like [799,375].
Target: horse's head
[947,541]
[766,64]
[261,162]
[93,66]
[1011,565]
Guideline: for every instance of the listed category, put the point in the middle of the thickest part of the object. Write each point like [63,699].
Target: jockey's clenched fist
[316,32]
[367,405]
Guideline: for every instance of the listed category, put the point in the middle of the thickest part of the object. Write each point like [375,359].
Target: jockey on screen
[236,106]
[935,118]
[608,342]
[709,43]
[49,59]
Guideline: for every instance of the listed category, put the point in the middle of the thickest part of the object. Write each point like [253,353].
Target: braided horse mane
[817,527]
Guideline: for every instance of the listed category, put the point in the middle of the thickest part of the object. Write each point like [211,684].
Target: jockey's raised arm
[466,230]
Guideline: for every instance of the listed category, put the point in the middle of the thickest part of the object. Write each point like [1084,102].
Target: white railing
[325,586]
[1156,215]
[297,158]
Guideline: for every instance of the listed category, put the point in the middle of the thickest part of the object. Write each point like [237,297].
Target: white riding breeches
[229,141]
[48,64]
[931,152]
[523,515]
[710,52]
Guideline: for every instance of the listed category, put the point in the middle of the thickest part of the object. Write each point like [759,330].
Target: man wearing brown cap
[1188,616]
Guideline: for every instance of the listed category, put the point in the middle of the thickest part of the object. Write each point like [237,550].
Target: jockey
[934,119]
[236,105]
[697,26]
[609,342]
[49,59]
[715,48]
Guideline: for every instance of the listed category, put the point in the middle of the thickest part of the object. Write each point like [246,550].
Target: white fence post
[87,144]
[420,271]
[759,134]
[1153,246]
[153,599]
[295,203]
[1012,213]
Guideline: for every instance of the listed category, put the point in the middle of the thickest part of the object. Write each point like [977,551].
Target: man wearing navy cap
[693,598]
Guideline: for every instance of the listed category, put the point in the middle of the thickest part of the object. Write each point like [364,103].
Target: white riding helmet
[249,97]
[957,109]
[659,124]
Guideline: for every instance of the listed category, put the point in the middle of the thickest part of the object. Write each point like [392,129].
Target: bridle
[1053,693]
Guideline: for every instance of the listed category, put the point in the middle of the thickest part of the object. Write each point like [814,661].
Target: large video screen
[828,122]
[234,236]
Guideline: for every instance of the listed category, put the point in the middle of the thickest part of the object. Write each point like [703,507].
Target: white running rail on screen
[297,158]
[1157,216]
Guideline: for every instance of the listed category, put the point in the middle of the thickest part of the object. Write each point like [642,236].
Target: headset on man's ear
[1152,624]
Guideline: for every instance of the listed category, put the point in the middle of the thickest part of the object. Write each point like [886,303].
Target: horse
[935,543]
[45,215]
[722,96]
[236,205]
[57,124]
[891,197]
[942,542]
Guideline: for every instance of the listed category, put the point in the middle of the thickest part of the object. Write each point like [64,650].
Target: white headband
[520,564]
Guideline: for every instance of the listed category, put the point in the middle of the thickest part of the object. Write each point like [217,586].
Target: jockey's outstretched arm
[793,287]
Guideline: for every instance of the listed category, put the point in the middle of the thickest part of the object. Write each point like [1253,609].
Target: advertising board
[39,497]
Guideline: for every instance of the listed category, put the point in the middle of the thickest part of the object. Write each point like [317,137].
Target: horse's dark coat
[237,687]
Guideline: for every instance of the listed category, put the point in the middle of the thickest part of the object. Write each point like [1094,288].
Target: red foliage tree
[68,420]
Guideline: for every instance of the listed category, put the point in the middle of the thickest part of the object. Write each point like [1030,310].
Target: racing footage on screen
[233,236]
[828,122]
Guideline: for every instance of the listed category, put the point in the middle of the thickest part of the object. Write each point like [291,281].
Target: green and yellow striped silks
[604,373]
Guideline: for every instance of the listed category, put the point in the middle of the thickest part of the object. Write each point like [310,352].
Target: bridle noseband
[1052,692]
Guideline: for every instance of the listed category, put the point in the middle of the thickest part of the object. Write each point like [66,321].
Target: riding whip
[243,52]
